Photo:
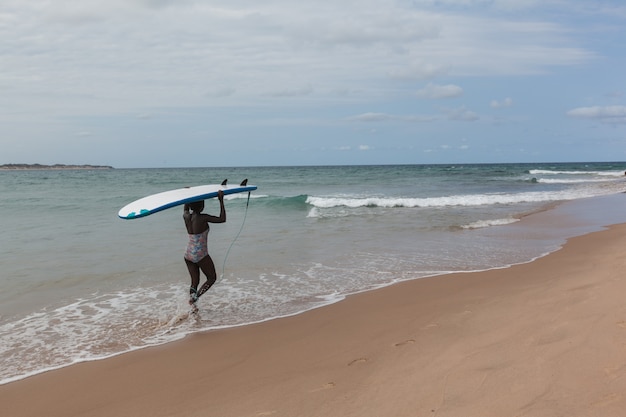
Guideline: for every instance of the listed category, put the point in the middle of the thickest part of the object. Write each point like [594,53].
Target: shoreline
[520,340]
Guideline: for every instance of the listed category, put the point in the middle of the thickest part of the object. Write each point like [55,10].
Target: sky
[200,83]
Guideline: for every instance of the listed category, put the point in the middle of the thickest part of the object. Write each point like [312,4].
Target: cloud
[604,114]
[371,117]
[220,92]
[346,148]
[227,67]
[384,117]
[501,5]
[418,118]
[291,92]
[146,53]
[435,91]
[507,102]
[350,30]
[420,71]
[461,114]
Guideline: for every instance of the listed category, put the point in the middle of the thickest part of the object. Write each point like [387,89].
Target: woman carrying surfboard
[197,255]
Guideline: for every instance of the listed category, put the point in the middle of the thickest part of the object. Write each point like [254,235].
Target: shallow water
[77,283]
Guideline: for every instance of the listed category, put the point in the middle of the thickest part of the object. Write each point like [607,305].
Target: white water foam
[90,328]
[568,181]
[244,196]
[455,200]
[578,173]
[488,223]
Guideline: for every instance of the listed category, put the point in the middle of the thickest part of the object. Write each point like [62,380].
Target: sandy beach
[547,338]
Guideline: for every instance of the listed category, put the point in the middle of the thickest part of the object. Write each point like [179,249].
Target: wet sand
[547,338]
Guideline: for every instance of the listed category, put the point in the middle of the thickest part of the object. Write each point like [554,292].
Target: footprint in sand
[360,360]
[324,387]
[406,342]
[614,372]
[607,399]
[265,413]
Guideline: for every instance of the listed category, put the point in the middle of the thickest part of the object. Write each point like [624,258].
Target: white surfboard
[168,199]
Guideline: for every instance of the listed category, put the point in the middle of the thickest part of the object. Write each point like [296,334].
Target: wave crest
[443,201]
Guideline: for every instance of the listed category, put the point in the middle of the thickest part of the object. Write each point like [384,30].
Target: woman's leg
[208,268]
[194,273]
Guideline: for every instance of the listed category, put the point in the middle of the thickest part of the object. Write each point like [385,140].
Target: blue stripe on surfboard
[213,194]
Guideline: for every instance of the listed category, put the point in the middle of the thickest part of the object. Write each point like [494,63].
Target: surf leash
[236,237]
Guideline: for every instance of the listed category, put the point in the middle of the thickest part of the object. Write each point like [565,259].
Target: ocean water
[77,283]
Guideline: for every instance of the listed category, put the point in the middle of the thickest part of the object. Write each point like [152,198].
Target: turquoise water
[78,283]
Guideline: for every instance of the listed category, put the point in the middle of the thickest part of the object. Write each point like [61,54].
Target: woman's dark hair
[197,206]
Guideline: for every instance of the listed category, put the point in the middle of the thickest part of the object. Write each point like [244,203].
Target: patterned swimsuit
[197,247]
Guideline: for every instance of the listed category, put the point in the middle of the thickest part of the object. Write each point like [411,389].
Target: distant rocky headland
[55,166]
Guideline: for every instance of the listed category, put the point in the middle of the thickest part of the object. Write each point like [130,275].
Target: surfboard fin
[224,182]
[244,183]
